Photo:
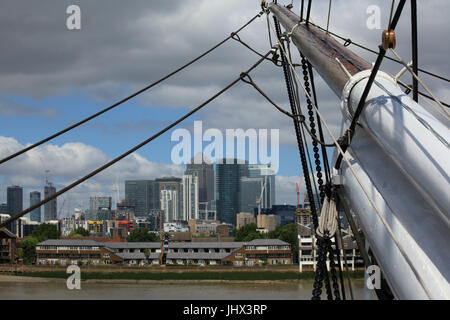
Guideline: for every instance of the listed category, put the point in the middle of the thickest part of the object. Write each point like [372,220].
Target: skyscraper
[169,204]
[171,183]
[35,197]
[99,204]
[190,197]
[250,193]
[15,203]
[266,173]
[205,174]
[50,212]
[228,175]
[143,195]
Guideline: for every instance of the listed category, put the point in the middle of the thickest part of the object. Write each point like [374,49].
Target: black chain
[313,130]
[319,276]
[333,270]
[294,111]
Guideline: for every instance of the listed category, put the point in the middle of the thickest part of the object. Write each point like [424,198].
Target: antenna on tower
[46,176]
[116,193]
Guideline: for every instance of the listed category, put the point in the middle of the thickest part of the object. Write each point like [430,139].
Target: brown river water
[45,289]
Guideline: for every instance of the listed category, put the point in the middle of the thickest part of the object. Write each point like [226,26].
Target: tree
[287,233]
[80,232]
[147,255]
[142,235]
[248,233]
[46,231]
[29,250]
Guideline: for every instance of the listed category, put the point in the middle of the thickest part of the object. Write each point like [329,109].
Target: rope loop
[244,75]
[347,42]
[235,36]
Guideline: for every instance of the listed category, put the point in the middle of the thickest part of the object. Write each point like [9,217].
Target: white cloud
[69,162]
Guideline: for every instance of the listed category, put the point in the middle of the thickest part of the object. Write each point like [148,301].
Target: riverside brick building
[7,246]
[251,253]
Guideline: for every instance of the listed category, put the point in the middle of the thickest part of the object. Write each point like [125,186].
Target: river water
[116,290]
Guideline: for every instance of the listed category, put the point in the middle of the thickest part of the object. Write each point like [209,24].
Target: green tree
[248,233]
[80,232]
[46,231]
[28,246]
[147,255]
[287,233]
[142,235]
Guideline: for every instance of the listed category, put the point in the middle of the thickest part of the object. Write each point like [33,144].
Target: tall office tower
[35,197]
[50,212]
[205,174]
[228,176]
[190,197]
[171,183]
[15,203]
[250,194]
[4,208]
[99,204]
[169,204]
[143,195]
[266,172]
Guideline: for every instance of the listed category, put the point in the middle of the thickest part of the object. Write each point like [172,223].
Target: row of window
[67,248]
[267,247]
[71,256]
[264,256]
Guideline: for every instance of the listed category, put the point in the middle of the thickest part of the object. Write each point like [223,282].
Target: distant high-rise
[250,193]
[266,173]
[171,183]
[4,208]
[35,197]
[205,174]
[169,204]
[14,200]
[50,212]
[228,176]
[15,203]
[143,195]
[99,204]
[190,197]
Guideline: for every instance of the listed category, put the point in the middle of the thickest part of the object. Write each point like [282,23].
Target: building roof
[131,245]
[71,242]
[267,242]
[157,245]
[131,255]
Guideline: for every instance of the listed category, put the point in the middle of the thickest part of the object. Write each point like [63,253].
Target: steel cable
[110,163]
[129,97]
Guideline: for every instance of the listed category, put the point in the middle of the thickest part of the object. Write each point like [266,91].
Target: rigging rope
[322,273]
[421,83]
[348,41]
[110,163]
[130,96]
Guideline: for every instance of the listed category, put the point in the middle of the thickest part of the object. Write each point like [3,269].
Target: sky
[51,77]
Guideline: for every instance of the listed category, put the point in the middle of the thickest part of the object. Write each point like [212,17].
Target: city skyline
[246,173]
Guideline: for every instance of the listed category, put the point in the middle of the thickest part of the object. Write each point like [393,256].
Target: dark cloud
[9,110]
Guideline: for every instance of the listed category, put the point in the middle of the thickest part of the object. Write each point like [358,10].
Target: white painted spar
[401,155]
[414,139]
